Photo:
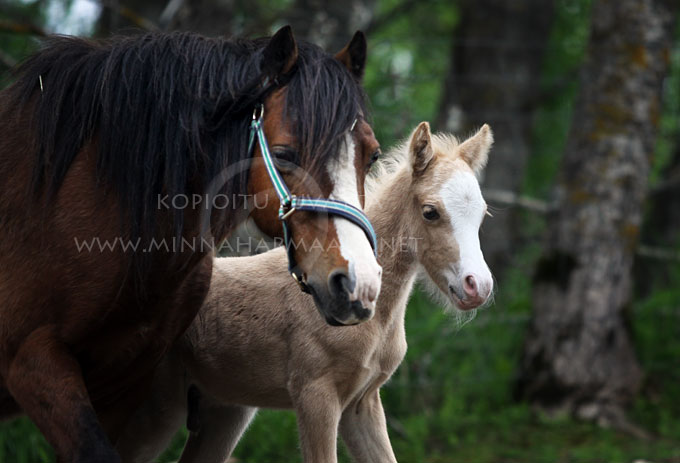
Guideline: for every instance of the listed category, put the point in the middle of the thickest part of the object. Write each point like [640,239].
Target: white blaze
[466,208]
[354,245]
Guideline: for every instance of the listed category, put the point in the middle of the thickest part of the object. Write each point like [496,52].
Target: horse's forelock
[323,100]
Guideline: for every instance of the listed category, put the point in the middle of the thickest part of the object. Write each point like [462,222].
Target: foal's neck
[391,215]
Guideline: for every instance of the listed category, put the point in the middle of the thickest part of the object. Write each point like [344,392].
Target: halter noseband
[291,203]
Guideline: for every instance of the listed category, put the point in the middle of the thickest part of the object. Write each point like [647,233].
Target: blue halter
[291,203]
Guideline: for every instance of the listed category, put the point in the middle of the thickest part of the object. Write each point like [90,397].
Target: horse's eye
[430,212]
[285,158]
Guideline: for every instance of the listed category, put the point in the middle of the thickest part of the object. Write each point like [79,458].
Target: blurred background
[578,360]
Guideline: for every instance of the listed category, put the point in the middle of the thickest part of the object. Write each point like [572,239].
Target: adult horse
[107,144]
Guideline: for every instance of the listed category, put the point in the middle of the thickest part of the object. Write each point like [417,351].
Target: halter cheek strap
[290,203]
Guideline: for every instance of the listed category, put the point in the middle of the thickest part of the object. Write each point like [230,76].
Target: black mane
[170,111]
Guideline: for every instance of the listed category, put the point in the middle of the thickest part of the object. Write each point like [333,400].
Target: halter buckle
[258,112]
[288,214]
[287,204]
[300,280]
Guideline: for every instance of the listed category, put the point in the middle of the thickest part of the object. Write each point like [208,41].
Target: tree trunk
[494,75]
[578,355]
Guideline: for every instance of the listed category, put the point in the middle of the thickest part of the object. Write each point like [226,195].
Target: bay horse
[106,143]
[254,344]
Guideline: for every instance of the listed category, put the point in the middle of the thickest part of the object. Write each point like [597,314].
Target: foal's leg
[46,381]
[364,430]
[221,427]
[318,413]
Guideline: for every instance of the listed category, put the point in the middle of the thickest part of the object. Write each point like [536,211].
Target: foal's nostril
[470,286]
[339,282]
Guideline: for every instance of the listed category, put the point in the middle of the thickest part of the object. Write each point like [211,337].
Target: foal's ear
[475,150]
[353,56]
[420,147]
[280,54]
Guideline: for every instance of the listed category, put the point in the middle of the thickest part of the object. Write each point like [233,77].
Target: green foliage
[559,85]
[656,330]
[451,400]
[271,436]
[15,47]
[408,59]
[20,442]
[669,124]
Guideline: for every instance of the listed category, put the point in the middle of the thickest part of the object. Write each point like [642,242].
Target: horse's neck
[392,222]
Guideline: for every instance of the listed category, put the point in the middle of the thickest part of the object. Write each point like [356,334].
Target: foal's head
[447,212]
[323,147]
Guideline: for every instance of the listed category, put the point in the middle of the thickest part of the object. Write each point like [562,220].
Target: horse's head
[448,210]
[322,147]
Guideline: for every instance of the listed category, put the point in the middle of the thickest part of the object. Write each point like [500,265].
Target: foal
[254,343]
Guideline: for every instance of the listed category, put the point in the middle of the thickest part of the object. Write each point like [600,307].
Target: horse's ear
[420,147]
[280,54]
[353,56]
[475,150]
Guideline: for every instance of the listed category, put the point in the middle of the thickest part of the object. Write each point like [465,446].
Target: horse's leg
[156,421]
[364,430]
[221,427]
[318,413]
[46,381]
[175,310]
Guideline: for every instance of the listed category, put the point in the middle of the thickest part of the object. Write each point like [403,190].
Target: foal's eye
[374,158]
[430,212]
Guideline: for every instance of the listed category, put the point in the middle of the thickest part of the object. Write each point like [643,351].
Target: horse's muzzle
[333,300]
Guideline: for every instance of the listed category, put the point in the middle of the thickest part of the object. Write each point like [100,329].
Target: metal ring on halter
[300,280]
[258,115]
[288,213]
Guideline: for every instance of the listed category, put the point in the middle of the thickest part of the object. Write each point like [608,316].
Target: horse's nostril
[339,282]
[470,286]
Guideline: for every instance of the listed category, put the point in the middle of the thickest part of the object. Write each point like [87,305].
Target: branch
[21,28]
[543,207]
[169,12]
[127,13]
[653,252]
[7,59]
[137,19]
[513,199]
